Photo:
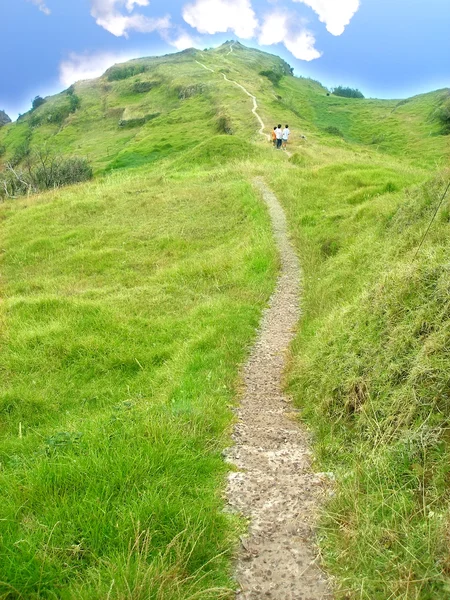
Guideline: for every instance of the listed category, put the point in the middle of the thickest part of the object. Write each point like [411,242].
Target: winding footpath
[255,102]
[274,485]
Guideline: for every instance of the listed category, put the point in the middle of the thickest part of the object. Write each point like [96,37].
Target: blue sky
[386,48]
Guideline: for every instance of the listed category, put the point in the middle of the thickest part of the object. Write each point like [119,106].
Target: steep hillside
[129,303]
[116,121]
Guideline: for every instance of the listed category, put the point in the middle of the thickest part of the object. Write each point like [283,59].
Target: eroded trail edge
[275,486]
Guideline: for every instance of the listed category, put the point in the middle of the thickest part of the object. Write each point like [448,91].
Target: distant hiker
[286,134]
[279,135]
[274,136]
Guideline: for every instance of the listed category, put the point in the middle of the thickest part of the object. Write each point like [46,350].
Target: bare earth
[275,486]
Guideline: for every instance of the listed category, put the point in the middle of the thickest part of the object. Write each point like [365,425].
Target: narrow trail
[255,102]
[275,486]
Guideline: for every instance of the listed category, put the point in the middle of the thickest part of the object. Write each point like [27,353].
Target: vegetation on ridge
[129,303]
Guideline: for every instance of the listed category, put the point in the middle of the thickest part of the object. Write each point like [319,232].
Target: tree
[347,92]
[37,102]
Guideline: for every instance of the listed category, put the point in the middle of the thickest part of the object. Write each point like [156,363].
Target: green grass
[370,371]
[129,305]
[127,309]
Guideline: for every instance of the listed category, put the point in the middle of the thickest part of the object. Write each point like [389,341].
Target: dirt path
[274,486]
[255,102]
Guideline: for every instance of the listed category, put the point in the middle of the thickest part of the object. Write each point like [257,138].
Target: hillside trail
[274,485]
[255,101]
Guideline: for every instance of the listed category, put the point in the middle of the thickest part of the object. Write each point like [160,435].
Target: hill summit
[153,108]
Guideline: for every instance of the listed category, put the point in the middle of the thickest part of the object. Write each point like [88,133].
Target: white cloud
[336,14]
[88,66]
[108,15]
[282,27]
[182,41]
[274,29]
[302,46]
[219,16]
[42,6]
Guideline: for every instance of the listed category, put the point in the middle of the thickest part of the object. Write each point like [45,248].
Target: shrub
[2,150]
[37,102]
[224,125]
[59,114]
[444,117]
[333,130]
[138,121]
[347,92]
[43,171]
[74,102]
[142,87]
[120,72]
[189,91]
[273,76]
[20,153]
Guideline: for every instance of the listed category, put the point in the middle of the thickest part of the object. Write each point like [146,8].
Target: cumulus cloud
[336,14]
[42,6]
[182,41]
[220,16]
[302,46]
[87,66]
[108,14]
[274,29]
[283,27]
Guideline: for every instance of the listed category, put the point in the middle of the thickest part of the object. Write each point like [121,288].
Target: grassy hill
[129,304]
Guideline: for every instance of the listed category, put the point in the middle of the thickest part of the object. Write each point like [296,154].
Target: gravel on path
[274,485]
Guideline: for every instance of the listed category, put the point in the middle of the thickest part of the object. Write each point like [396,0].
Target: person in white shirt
[279,134]
[285,136]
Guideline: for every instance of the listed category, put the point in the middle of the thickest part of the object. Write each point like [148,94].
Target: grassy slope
[371,362]
[137,258]
[127,310]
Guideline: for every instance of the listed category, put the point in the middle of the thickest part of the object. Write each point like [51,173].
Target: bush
[347,92]
[20,153]
[118,73]
[273,76]
[444,117]
[138,121]
[224,125]
[37,102]
[59,114]
[2,150]
[74,102]
[189,91]
[333,130]
[43,171]
[142,87]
